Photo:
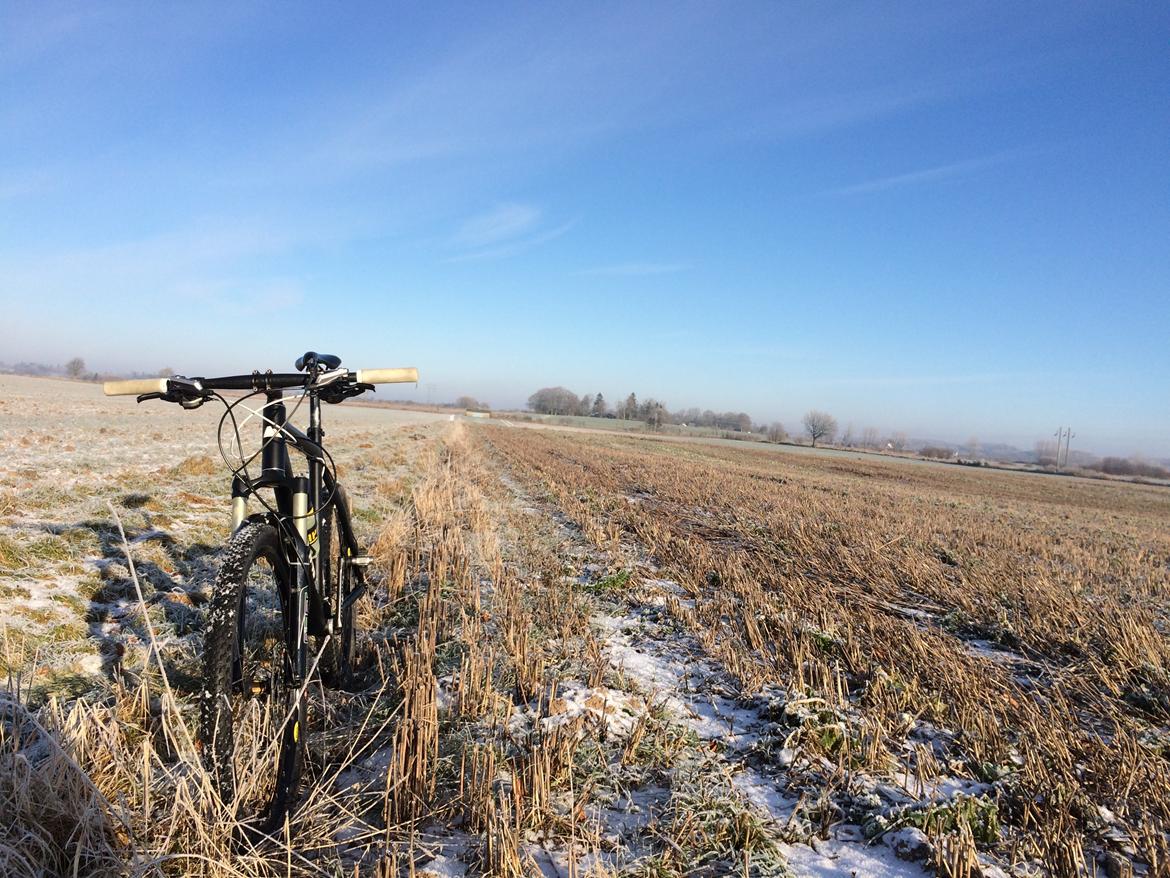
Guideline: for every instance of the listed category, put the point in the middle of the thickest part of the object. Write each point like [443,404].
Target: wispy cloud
[637,269]
[505,230]
[502,223]
[519,245]
[936,174]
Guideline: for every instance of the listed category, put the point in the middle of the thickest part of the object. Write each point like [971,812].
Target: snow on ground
[672,670]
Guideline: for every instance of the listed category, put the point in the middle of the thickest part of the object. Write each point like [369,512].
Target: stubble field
[592,654]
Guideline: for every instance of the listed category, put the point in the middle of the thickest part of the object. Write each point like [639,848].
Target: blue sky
[945,219]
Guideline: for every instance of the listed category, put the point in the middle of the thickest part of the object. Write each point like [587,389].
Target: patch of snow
[91,664]
[442,867]
[908,843]
[617,711]
[836,858]
[942,788]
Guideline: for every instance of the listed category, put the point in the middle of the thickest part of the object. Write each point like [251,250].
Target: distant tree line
[562,401]
[819,427]
[77,370]
[938,452]
[26,368]
[1125,466]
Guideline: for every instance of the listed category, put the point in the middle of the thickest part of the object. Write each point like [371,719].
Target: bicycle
[290,572]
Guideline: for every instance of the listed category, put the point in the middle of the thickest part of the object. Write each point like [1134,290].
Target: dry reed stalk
[410,779]
[501,854]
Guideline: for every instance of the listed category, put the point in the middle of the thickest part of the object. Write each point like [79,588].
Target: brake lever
[187,402]
[335,393]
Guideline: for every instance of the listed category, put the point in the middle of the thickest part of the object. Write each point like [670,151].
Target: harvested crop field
[596,655]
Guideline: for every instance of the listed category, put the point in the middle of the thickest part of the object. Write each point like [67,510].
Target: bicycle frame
[300,506]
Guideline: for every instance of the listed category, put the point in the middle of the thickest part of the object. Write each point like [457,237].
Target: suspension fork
[316,435]
[325,599]
[293,503]
[298,611]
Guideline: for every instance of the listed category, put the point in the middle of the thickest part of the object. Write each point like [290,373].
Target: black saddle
[312,358]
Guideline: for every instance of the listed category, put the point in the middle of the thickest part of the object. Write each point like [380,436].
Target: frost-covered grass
[87,711]
[70,452]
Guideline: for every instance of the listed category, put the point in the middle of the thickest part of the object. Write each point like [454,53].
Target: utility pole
[1064,435]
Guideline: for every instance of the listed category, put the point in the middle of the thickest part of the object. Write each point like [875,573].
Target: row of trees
[562,401]
[76,368]
[1128,466]
[820,427]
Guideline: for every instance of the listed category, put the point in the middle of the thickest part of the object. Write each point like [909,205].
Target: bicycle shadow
[174,582]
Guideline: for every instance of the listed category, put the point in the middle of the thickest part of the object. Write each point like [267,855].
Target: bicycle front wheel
[252,720]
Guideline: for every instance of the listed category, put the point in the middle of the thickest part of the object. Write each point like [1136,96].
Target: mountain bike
[290,572]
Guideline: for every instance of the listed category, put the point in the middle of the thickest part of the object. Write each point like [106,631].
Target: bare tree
[897,442]
[869,437]
[653,413]
[599,406]
[554,401]
[1047,452]
[470,402]
[629,409]
[820,425]
[847,439]
[776,432]
[75,368]
[166,372]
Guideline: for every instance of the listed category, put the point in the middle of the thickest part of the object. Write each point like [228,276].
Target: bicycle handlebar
[257,381]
